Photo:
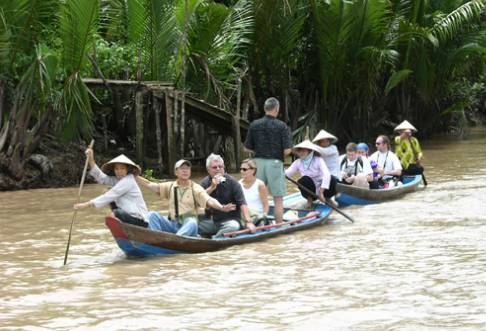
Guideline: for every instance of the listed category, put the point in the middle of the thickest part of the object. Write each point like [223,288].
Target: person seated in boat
[408,149]
[129,205]
[226,190]
[329,153]
[254,190]
[388,168]
[362,150]
[315,174]
[355,170]
[185,199]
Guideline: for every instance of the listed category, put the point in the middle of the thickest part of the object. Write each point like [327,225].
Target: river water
[414,264]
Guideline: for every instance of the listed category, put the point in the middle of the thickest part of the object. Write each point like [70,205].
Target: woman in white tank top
[255,191]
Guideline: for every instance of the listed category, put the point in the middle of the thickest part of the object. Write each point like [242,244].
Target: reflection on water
[412,264]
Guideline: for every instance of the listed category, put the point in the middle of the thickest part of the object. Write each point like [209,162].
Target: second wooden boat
[352,195]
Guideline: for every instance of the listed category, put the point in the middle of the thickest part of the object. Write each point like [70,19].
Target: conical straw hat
[307,144]
[109,166]
[323,134]
[405,125]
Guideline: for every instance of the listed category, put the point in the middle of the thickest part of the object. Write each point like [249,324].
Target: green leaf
[396,79]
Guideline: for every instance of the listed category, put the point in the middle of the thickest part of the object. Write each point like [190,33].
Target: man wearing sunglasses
[389,168]
[227,191]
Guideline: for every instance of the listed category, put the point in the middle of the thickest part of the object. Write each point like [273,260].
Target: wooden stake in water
[77,201]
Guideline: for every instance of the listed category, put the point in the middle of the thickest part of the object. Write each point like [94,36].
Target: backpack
[359,162]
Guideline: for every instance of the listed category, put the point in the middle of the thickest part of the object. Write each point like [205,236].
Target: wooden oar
[423,179]
[313,195]
[77,201]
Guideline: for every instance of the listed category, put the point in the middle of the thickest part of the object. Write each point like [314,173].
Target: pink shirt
[317,170]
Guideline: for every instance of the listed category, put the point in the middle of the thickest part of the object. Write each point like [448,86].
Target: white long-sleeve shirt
[125,193]
[330,155]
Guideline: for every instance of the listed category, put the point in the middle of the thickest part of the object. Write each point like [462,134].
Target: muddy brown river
[418,263]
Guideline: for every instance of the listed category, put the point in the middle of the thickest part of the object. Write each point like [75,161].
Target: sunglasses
[245,169]
[378,143]
[218,167]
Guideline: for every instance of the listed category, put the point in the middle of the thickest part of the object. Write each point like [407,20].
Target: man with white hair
[226,189]
[270,141]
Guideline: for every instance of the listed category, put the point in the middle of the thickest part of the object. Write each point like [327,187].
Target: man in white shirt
[354,169]
[389,165]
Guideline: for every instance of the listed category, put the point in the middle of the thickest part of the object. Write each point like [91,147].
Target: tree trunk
[2,101]
[176,115]
[183,80]
[139,96]
[169,107]
[236,128]
[252,97]
[183,125]
[156,105]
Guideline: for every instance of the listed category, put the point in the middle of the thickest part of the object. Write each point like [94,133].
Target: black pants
[127,218]
[308,183]
[412,170]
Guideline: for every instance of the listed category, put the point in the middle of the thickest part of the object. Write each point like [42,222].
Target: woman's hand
[90,156]
[82,205]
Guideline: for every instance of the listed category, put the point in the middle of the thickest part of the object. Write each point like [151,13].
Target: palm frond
[458,20]
[78,26]
[137,20]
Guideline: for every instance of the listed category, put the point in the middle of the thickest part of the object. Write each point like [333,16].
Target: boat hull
[351,195]
[142,242]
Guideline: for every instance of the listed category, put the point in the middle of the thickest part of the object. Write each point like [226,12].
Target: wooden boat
[142,242]
[352,195]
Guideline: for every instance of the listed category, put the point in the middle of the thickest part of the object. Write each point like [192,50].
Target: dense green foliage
[353,67]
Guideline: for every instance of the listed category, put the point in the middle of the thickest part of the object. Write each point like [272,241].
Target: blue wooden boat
[142,242]
[352,195]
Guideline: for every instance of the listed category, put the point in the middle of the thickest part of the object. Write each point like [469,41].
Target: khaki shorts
[271,172]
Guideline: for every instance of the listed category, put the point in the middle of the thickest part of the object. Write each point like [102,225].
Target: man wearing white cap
[186,200]
[125,193]
[408,149]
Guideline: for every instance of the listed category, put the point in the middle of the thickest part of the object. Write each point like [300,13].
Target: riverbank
[55,165]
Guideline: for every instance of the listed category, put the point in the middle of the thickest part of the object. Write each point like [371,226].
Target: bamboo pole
[77,201]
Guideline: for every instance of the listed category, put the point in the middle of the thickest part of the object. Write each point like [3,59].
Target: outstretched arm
[148,184]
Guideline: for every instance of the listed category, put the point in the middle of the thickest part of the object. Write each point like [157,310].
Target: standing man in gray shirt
[270,141]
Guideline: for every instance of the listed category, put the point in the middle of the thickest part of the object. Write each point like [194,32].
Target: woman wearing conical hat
[119,173]
[408,149]
[329,152]
[315,174]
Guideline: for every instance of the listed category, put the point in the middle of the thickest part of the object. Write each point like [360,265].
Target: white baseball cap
[181,162]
